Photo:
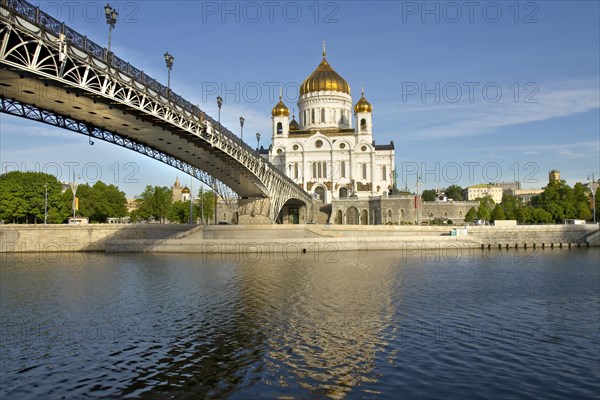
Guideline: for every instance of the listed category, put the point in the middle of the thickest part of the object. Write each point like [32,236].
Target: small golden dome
[363,106]
[280,110]
[185,190]
[324,78]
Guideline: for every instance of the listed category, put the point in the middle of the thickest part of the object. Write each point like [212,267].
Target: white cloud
[446,120]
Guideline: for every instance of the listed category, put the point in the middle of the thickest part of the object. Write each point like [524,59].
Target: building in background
[479,191]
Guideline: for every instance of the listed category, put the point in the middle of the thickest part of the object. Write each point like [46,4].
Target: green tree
[99,202]
[471,215]
[454,192]
[179,212]
[486,204]
[539,215]
[428,195]
[205,205]
[510,204]
[154,203]
[523,214]
[497,213]
[23,198]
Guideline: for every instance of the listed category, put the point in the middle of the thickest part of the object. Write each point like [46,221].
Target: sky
[469,92]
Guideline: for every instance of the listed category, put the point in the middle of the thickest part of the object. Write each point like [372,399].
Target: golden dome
[185,190]
[324,78]
[363,106]
[280,110]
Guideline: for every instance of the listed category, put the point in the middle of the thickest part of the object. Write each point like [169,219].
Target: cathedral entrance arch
[321,194]
[352,216]
[364,217]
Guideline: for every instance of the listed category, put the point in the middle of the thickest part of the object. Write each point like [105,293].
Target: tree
[428,195]
[540,215]
[154,203]
[497,213]
[205,206]
[471,215]
[23,198]
[510,204]
[486,204]
[179,212]
[454,192]
[523,214]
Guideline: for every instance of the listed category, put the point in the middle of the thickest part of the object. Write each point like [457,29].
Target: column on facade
[372,172]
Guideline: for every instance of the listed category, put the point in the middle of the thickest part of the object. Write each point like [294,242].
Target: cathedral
[330,151]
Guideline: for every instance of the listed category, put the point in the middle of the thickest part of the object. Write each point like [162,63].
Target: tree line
[27,197]
[555,204]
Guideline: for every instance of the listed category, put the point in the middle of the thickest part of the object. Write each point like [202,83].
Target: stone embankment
[285,238]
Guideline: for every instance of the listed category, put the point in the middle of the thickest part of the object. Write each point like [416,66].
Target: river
[430,324]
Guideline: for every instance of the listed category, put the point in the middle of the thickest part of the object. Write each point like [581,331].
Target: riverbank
[284,238]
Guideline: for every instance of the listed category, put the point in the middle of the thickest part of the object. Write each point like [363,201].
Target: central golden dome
[324,78]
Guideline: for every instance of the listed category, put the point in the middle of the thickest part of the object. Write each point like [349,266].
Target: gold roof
[324,78]
[280,110]
[363,105]
[185,190]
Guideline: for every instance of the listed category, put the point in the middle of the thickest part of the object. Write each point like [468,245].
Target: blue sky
[468,92]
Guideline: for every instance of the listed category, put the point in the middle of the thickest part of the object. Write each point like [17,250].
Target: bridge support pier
[254,211]
[261,211]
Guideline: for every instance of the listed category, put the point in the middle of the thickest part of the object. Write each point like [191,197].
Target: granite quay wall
[284,238]
[92,237]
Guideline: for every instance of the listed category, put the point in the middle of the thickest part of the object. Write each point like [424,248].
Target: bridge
[54,75]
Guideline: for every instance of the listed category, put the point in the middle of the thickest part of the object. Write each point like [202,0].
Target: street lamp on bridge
[257,141]
[219,104]
[111,20]
[242,128]
[169,60]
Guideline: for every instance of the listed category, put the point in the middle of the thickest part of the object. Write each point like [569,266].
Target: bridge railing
[50,24]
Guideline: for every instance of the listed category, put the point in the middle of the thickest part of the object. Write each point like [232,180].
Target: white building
[483,190]
[330,151]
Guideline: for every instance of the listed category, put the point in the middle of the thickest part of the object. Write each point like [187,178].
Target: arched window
[320,170]
[363,125]
[312,116]
[290,170]
[314,170]
[279,128]
[295,170]
[383,173]
[324,170]
[322,115]
[364,171]
[343,169]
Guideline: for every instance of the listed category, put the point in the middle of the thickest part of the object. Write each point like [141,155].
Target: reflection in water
[362,324]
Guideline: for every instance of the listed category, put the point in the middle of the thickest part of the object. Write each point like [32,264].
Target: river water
[386,324]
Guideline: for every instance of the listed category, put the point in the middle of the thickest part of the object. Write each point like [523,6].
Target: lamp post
[242,128]
[111,19]
[257,141]
[219,104]
[169,60]
[192,201]
[74,190]
[593,187]
[46,204]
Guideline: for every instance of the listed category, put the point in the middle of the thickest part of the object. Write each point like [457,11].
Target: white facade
[331,152]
